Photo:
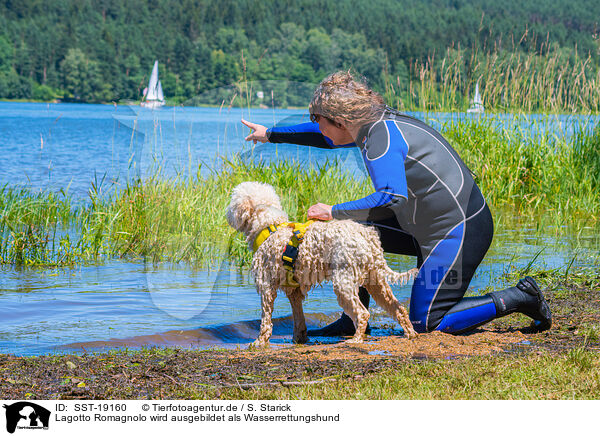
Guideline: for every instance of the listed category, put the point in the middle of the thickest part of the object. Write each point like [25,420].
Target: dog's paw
[354,340]
[258,344]
[410,333]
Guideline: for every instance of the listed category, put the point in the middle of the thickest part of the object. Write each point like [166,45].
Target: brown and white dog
[345,252]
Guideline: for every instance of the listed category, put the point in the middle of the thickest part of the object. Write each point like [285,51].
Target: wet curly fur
[347,253]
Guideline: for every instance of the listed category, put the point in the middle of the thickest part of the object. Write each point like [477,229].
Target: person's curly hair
[343,99]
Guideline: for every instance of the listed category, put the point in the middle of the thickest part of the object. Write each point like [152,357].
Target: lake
[70,147]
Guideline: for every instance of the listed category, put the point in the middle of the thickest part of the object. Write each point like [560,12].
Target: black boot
[526,298]
[344,325]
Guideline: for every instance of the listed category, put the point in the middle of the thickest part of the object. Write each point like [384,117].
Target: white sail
[161,96]
[477,98]
[154,96]
[153,84]
[477,104]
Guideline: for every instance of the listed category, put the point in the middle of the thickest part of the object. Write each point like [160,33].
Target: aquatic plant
[184,219]
[31,227]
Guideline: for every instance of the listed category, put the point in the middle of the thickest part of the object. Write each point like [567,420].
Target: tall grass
[185,219]
[545,179]
[166,219]
[552,80]
[535,177]
[31,226]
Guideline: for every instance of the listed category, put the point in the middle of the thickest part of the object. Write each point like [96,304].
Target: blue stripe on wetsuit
[462,321]
[432,275]
[386,171]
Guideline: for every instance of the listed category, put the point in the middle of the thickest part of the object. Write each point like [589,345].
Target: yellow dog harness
[291,249]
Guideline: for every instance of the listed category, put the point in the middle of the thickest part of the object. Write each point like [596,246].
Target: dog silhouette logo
[26,415]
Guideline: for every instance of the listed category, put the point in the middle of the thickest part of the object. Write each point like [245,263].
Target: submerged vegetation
[545,180]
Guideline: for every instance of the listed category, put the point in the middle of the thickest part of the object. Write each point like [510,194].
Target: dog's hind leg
[296,297]
[346,290]
[267,296]
[384,297]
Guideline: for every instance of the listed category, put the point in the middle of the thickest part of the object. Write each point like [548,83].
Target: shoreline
[488,112]
[501,360]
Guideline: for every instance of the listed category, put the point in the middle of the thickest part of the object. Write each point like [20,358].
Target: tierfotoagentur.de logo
[26,416]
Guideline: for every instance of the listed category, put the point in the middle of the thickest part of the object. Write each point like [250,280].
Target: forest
[103,50]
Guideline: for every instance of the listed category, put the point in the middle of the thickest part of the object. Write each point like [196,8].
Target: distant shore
[137,103]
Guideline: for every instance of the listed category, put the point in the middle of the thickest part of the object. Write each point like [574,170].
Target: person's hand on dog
[259,132]
[319,211]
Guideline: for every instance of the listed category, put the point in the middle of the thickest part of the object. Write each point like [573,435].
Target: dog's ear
[240,209]
[246,198]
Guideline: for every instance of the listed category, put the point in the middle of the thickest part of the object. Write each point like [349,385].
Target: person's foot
[341,327]
[539,309]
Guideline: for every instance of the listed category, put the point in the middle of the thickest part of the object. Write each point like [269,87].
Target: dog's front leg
[300,335]
[267,296]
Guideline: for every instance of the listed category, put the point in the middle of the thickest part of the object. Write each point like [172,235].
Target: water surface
[72,147]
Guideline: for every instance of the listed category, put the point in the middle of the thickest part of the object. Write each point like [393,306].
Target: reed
[542,180]
[31,227]
[551,80]
[539,178]
[181,219]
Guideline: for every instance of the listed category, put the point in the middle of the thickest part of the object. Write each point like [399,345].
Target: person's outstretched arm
[300,134]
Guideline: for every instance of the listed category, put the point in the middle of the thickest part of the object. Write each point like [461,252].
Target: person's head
[342,104]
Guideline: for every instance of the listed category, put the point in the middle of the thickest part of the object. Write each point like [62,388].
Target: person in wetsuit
[426,204]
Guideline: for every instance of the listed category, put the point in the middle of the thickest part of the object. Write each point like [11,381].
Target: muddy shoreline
[173,373]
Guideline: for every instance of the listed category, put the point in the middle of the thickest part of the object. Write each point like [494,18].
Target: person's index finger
[249,124]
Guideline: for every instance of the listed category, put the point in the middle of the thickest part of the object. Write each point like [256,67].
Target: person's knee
[424,323]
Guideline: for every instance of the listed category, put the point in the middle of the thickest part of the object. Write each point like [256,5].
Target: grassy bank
[540,177]
[545,181]
[179,374]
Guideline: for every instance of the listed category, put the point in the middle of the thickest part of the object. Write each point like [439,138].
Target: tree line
[103,50]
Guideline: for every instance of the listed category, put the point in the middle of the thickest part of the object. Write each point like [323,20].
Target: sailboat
[153,94]
[477,104]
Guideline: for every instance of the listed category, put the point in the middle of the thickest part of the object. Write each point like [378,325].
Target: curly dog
[345,252]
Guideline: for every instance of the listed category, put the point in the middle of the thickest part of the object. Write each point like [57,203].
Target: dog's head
[254,204]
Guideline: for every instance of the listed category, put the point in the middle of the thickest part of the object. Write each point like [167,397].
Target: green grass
[573,375]
[160,218]
[185,219]
[544,182]
[545,177]
[551,80]
[31,227]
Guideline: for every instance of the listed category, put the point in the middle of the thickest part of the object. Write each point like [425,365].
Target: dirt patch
[426,346]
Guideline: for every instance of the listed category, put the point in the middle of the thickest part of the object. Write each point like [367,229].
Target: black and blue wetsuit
[426,204]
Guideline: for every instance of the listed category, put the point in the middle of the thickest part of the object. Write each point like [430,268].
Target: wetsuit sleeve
[384,154]
[302,134]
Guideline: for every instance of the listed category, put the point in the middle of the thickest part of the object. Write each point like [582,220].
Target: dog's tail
[391,276]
